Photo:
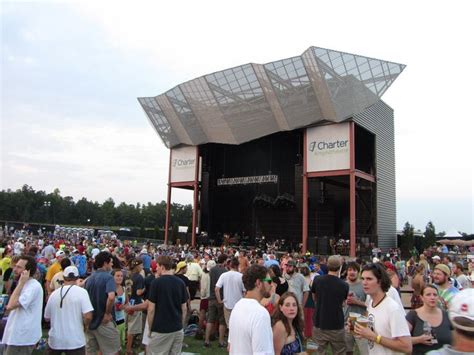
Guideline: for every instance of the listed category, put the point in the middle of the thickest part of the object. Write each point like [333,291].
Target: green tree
[27,205]
[430,235]
[108,213]
[408,239]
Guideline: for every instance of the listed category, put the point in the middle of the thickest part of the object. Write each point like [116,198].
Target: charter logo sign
[183,164]
[327,147]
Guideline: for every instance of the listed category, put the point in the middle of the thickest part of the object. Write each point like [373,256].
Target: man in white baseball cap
[461,314]
[69,310]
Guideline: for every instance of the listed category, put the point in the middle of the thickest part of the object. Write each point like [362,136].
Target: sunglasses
[267,279]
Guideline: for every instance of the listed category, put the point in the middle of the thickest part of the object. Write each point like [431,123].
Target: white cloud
[87,156]
[181,40]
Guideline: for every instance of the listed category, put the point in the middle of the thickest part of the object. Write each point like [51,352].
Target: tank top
[292,348]
[119,315]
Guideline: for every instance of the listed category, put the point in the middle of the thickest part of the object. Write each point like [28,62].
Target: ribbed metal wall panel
[378,119]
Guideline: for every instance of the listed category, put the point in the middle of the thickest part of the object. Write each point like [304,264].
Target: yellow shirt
[194,271]
[5,264]
[53,270]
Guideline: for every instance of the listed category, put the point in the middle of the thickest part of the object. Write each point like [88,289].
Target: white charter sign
[183,164]
[328,147]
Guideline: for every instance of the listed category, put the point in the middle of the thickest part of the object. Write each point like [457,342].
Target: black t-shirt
[184,278]
[214,275]
[441,332]
[138,284]
[330,292]
[168,293]
[148,281]
[7,274]
[281,287]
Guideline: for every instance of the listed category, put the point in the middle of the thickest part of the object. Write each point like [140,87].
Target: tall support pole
[195,199]
[352,192]
[305,197]
[168,203]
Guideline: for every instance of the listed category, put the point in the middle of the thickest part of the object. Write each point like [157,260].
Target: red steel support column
[168,203]
[195,199]
[352,192]
[305,197]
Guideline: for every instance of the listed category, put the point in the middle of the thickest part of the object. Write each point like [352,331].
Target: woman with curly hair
[287,326]
[417,283]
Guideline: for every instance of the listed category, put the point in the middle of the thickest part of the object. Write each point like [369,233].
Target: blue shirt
[98,285]
[146,261]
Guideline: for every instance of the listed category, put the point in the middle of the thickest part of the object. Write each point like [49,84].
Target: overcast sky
[71,73]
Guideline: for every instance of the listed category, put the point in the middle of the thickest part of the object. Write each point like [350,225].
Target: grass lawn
[194,347]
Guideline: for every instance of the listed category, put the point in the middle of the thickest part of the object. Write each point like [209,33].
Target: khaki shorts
[227,313]
[215,312]
[334,338]
[106,339]
[19,350]
[165,343]
[135,323]
[145,338]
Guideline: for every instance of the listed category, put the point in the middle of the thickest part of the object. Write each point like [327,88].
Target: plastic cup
[363,322]
[352,318]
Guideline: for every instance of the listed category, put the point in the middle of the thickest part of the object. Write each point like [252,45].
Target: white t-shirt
[387,320]
[463,281]
[67,326]
[24,323]
[250,329]
[18,248]
[393,294]
[233,287]
[94,252]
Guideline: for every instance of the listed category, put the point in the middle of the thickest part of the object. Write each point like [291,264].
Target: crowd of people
[98,294]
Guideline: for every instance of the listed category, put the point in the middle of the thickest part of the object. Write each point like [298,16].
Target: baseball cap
[60,253]
[303,265]
[443,268]
[71,272]
[181,264]
[210,264]
[291,263]
[436,257]
[144,251]
[461,310]
[135,262]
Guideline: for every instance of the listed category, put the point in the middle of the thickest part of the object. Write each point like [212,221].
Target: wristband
[378,339]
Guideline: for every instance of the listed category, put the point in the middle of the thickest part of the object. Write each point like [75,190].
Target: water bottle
[426,328]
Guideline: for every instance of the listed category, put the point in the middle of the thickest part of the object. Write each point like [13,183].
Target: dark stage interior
[274,209]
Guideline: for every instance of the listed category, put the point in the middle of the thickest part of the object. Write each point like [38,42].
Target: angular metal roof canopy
[247,102]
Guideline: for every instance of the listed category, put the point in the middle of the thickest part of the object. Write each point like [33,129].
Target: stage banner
[328,147]
[183,164]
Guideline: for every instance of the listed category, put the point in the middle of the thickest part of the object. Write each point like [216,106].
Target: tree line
[408,242]
[28,205]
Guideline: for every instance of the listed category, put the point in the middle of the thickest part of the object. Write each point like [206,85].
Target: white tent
[453,234]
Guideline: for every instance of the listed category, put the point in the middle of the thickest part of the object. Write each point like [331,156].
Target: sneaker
[223,345]
[207,345]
